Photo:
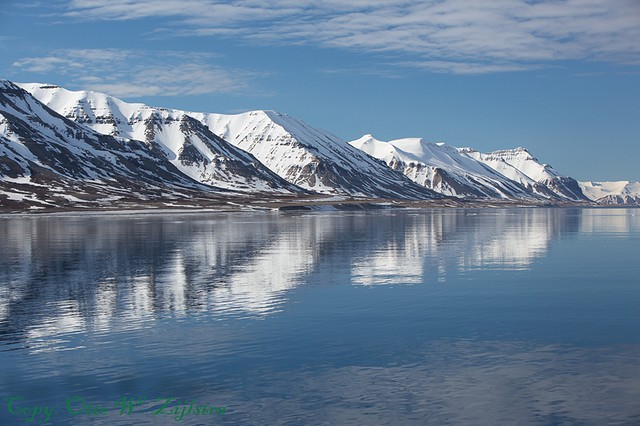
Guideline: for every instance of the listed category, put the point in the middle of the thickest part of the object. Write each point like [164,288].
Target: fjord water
[488,316]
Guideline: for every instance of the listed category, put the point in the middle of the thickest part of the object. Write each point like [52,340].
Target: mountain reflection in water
[87,269]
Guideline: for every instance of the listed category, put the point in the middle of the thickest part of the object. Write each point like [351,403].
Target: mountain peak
[367,139]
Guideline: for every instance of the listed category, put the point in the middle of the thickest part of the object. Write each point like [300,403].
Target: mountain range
[307,158]
[613,193]
[61,148]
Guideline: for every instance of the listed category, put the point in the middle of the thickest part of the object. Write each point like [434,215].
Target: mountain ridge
[103,147]
[467,173]
[521,166]
[613,193]
[187,144]
[306,157]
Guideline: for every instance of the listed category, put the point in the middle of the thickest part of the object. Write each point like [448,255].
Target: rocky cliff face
[619,200]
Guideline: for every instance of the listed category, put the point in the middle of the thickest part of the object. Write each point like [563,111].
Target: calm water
[461,317]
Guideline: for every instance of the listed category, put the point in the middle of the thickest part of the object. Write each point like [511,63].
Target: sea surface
[525,316]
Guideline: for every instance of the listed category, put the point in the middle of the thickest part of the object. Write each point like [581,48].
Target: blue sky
[560,77]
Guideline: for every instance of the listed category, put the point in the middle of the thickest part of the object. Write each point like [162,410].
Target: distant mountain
[467,173]
[520,166]
[301,155]
[442,168]
[613,193]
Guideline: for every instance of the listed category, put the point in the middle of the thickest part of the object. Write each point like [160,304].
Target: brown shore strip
[259,202]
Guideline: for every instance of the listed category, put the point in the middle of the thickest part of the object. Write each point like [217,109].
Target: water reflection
[65,274]
[445,242]
[516,316]
[615,222]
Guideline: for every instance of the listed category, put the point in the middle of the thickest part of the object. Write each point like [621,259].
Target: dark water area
[416,317]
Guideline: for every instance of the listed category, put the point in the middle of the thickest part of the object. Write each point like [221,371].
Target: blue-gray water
[461,317]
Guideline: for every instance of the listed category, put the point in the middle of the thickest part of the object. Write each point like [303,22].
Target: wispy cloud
[458,36]
[131,73]
[46,64]
[377,71]
[467,67]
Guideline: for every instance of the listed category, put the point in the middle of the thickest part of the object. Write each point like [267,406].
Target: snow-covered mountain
[309,157]
[442,168]
[520,166]
[301,155]
[47,160]
[467,173]
[60,146]
[186,142]
[613,193]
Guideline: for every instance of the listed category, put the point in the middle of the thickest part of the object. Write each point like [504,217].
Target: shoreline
[282,204]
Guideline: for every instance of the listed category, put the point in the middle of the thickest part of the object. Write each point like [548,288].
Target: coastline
[280,203]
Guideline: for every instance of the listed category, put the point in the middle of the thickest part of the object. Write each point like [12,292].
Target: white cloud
[501,34]
[372,71]
[130,73]
[465,67]
[46,64]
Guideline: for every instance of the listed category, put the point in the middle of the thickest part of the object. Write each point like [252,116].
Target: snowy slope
[301,155]
[186,143]
[48,160]
[442,168]
[309,157]
[613,193]
[519,165]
